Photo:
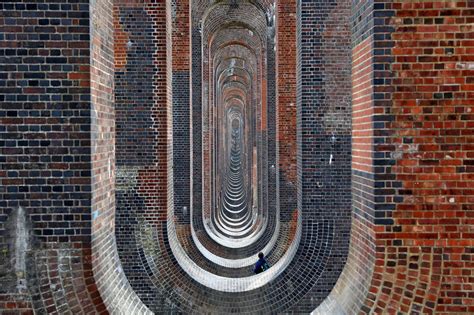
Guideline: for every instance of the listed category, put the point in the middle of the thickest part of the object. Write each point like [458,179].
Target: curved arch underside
[233,188]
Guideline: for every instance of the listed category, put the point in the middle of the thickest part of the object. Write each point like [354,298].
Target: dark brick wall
[141,96]
[271,129]
[46,117]
[45,155]
[181,109]
[181,144]
[323,138]
[196,118]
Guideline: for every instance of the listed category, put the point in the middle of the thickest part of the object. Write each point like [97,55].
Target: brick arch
[162,268]
[411,233]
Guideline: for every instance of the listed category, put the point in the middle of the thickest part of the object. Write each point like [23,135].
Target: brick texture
[422,157]
[46,158]
[357,156]
[411,151]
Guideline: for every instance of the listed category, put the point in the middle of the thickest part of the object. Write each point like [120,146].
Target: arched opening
[250,167]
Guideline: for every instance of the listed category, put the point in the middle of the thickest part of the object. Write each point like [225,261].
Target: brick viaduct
[150,149]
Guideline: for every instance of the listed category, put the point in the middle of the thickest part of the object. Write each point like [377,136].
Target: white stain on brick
[21,247]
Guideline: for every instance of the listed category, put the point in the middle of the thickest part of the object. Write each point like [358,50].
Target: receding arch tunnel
[236,155]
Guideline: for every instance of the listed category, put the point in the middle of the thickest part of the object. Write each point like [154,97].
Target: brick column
[422,160]
[286,105]
[143,146]
[181,109]
[324,133]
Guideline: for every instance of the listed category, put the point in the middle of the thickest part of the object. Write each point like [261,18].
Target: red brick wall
[362,106]
[412,160]
[425,259]
[286,100]
[181,45]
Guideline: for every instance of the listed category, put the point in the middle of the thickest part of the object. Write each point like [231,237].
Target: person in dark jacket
[261,264]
